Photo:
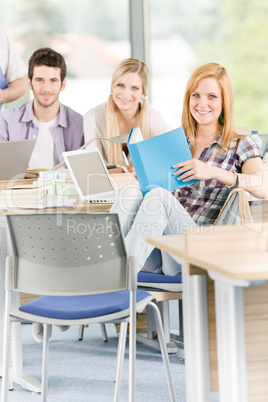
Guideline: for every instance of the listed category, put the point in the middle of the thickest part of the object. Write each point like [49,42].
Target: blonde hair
[226,129]
[143,117]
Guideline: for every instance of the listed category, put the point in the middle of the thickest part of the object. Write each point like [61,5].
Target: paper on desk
[135,136]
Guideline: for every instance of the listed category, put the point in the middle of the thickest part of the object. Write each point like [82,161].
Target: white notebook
[90,175]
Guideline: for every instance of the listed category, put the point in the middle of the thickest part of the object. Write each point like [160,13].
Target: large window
[185,34]
[93,36]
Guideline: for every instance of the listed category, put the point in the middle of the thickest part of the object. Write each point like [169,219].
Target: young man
[56,127]
[12,71]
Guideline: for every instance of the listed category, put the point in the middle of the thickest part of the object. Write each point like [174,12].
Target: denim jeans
[156,213]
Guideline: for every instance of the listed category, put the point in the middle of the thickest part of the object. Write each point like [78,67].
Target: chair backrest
[264,146]
[68,253]
[235,210]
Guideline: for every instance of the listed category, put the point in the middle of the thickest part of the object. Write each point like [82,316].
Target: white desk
[235,257]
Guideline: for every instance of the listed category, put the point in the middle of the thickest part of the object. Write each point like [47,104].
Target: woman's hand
[193,169]
[252,179]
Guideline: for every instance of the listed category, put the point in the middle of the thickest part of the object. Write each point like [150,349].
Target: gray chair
[164,288]
[235,211]
[78,265]
[264,147]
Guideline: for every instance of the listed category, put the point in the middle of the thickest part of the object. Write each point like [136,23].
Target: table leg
[230,339]
[196,345]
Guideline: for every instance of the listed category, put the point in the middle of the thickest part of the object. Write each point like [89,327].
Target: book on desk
[31,196]
[57,182]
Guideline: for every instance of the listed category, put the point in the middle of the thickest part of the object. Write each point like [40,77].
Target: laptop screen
[88,171]
[14,158]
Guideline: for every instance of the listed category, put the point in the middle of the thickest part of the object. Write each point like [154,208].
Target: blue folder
[153,160]
[3,82]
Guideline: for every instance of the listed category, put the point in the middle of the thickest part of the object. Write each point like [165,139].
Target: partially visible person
[127,106]
[13,69]
[56,127]
[221,161]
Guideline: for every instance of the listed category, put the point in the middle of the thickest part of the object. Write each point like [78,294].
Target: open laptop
[14,158]
[90,175]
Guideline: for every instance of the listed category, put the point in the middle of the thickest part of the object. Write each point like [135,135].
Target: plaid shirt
[204,199]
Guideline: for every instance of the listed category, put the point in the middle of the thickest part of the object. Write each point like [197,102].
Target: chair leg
[132,344]
[178,335]
[162,343]
[151,338]
[81,332]
[47,328]
[103,331]
[6,351]
[181,320]
[120,359]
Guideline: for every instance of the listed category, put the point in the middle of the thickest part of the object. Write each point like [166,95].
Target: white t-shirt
[95,127]
[44,154]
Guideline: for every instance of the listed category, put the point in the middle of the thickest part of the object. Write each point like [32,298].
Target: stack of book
[56,182]
[31,196]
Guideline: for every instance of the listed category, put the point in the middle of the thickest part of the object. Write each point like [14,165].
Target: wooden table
[235,260]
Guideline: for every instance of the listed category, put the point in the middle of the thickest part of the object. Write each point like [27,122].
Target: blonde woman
[127,106]
[222,161]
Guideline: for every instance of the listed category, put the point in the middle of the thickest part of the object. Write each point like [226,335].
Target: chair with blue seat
[160,281]
[235,211]
[78,265]
[164,288]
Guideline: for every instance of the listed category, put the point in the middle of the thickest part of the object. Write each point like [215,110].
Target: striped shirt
[204,199]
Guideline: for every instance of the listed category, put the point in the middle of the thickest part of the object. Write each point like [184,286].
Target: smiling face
[46,85]
[128,92]
[206,102]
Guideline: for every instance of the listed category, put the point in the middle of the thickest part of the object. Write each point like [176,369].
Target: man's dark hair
[47,57]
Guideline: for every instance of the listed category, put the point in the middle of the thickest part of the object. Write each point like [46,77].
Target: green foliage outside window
[231,32]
